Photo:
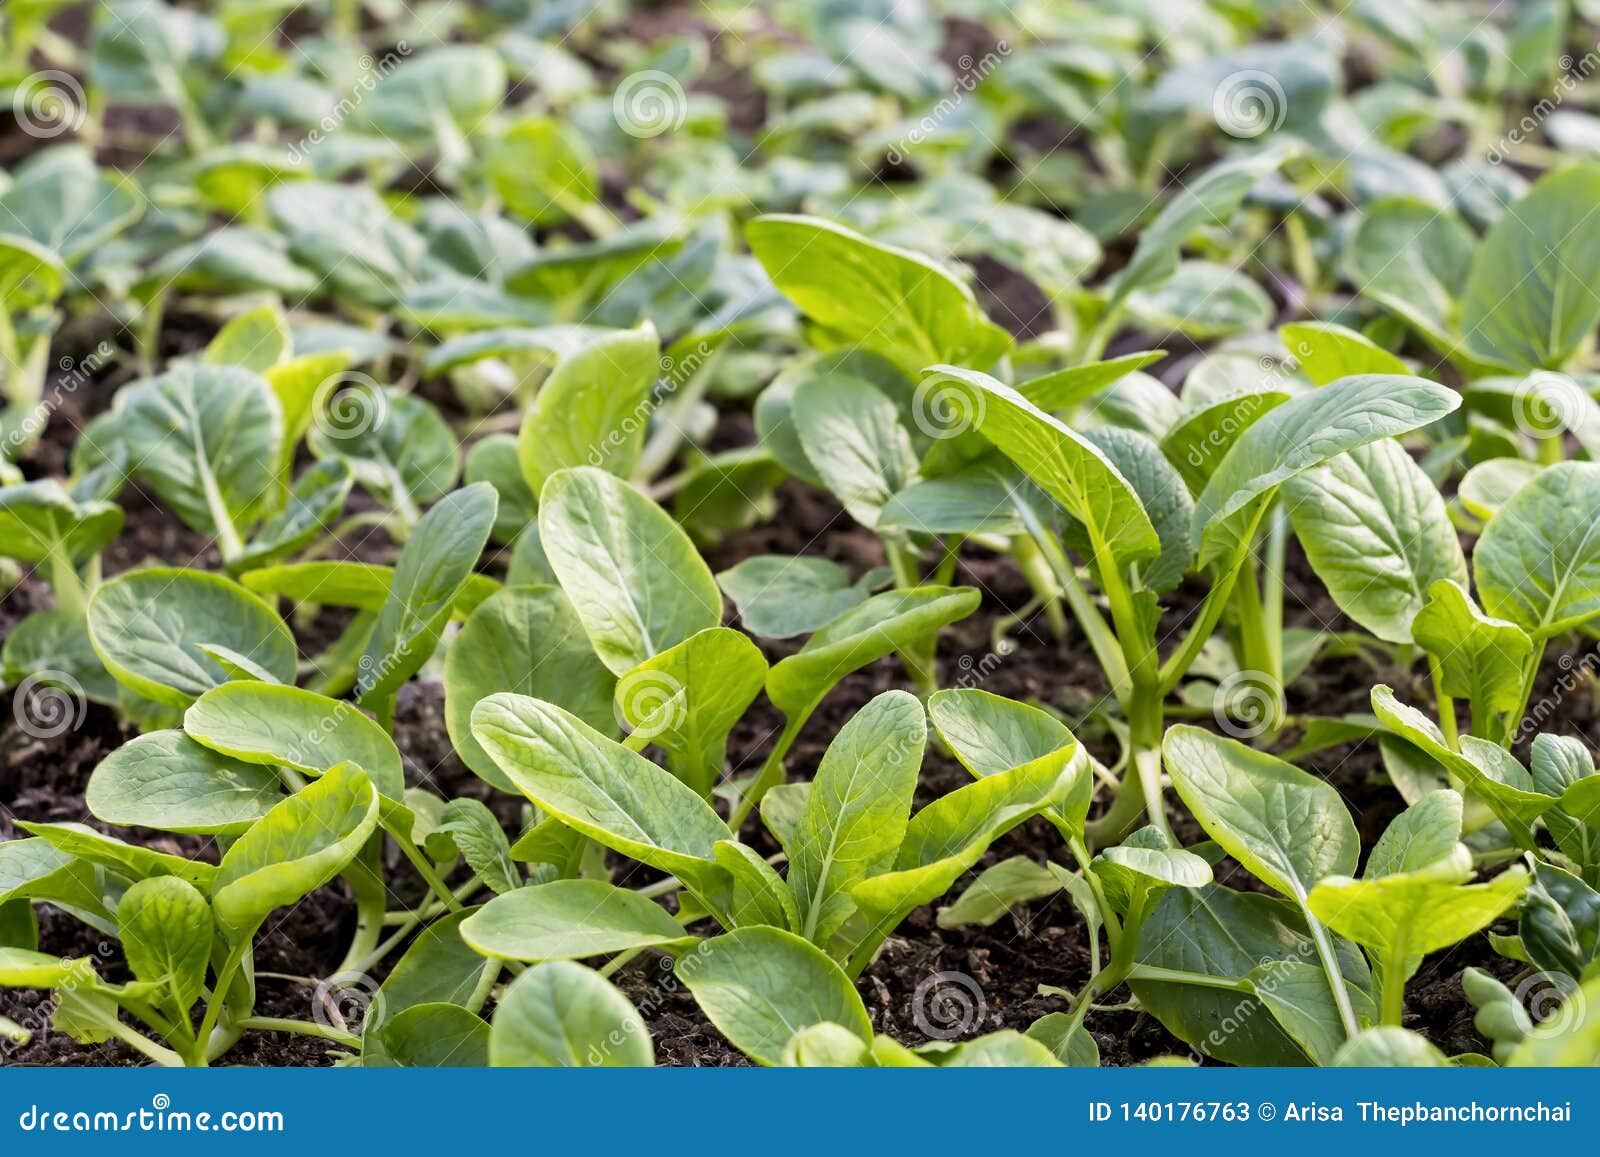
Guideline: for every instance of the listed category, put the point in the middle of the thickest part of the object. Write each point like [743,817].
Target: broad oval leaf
[433,567]
[148,628]
[1375,529]
[208,439]
[568,920]
[563,1015]
[167,781]
[890,300]
[1287,828]
[760,986]
[593,408]
[1529,300]
[295,848]
[1304,432]
[636,581]
[289,727]
[165,928]
[1538,561]
[862,635]
[527,640]
[598,786]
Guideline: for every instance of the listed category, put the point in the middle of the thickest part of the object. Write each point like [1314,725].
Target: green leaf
[148,627]
[437,1036]
[1203,299]
[1404,916]
[855,815]
[598,786]
[990,734]
[862,635]
[208,440]
[541,171]
[397,445]
[295,848]
[1528,301]
[1388,1046]
[1304,432]
[494,460]
[782,595]
[348,235]
[760,895]
[634,578]
[432,569]
[288,727]
[1162,494]
[760,986]
[438,968]
[1200,439]
[1220,933]
[1211,200]
[1375,529]
[998,889]
[255,340]
[1287,828]
[563,1015]
[1327,352]
[1068,1041]
[1487,770]
[593,408]
[166,781]
[131,860]
[1538,561]
[317,498]
[568,920]
[166,933]
[688,698]
[1480,659]
[881,298]
[1296,993]
[825,1046]
[361,585]
[1069,388]
[1488,486]
[472,828]
[1422,835]
[1560,925]
[854,440]
[20,968]
[945,840]
[1413,260]
[527,640]
[39,521]
[1068,467]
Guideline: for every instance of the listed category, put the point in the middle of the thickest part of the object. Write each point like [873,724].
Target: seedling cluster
[1229,367]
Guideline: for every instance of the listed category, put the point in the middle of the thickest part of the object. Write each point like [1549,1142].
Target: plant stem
[303,1027]
[1330,965]
[770,770]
